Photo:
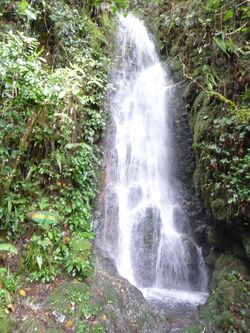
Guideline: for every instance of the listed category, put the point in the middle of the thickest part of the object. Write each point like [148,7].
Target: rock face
[145,245]
[123,306]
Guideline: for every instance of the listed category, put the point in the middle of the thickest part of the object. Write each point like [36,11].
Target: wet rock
[134,197]
[111,232]
[229,296]
[145,244]
[181,268]
[124,308]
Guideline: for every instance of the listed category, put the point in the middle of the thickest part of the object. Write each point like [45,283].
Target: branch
[22,147]
[209,92]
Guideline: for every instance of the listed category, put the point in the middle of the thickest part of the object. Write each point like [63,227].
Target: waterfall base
[174,300]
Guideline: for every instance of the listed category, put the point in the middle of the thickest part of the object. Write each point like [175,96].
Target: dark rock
[145,244]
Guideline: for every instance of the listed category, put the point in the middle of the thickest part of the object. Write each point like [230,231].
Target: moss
[222,320]
[72,301]
[60,299]
[202,122]
[6,324]
[34,325]
[228,302]
[212,258]
[80,247]
[220,209]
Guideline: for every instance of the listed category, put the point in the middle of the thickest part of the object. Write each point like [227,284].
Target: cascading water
[141,233]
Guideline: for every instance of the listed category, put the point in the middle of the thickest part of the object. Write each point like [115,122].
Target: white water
[140,229]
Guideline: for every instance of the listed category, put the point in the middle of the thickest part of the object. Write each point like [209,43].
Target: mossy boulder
[228,303]
[124,308]
[220,209]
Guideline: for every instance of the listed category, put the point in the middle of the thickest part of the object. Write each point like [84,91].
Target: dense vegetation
[53,82]
[212,53]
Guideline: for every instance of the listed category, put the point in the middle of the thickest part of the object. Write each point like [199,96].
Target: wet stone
[145,244]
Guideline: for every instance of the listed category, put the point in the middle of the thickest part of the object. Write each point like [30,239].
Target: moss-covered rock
[70,304]
[227,308]
[34,325]
[124,308]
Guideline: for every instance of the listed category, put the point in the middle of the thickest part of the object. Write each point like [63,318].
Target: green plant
[8,248]
[8,280]
[41,259]
[78,259]
[228,159]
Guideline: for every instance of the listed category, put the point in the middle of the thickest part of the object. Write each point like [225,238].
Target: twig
[211,93]
[23,145]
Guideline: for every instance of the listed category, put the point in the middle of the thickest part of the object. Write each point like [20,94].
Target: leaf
[11,307]
[70,146]
[39,261]
[58,160]
[228,14]
[8,247]
[69,325]
[22,6]
[22,292]
[30,14]
[212,5]
[222,44]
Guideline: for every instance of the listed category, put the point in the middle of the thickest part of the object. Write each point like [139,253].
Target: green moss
[7,324]
[228,302]
[72,301]
[60,299]
[220,209]
[222,320]
[34,325]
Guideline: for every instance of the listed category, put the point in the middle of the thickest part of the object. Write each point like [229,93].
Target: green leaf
[228,14]
[212,5]
[39,261]
[22,6]
[8,248]
[222,44]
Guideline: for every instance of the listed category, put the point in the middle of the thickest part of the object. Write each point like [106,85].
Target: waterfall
[141,231]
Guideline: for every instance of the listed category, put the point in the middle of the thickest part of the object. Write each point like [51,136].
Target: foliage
[52,119]
[8,280]
[211,51]
[41,259]
[8,248]
[225,156]
[53,65]
[9,283]
[78,260]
